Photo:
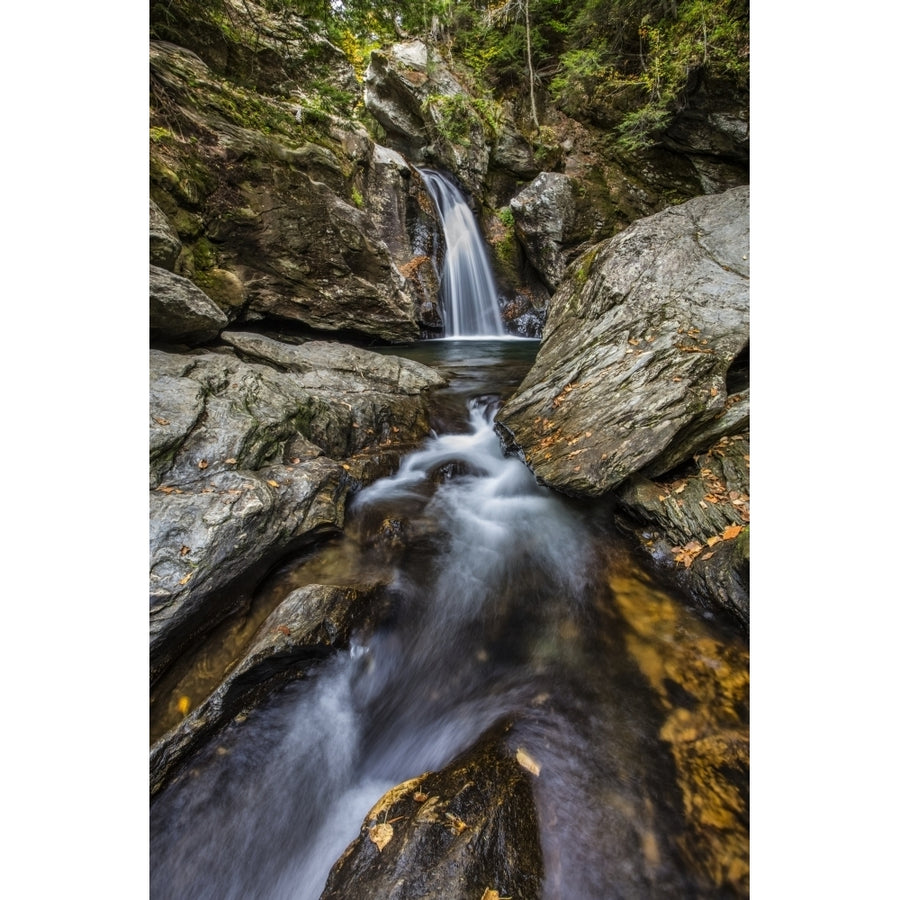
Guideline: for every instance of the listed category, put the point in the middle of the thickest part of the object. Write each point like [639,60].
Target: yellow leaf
[186,578]
[711,542]
[527,762]
[272,483]
[490,894]
[184,705]
[380,835]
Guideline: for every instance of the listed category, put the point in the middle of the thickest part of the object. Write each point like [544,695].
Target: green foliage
[456,116]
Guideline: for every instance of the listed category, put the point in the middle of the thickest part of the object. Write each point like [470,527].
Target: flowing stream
[507,602]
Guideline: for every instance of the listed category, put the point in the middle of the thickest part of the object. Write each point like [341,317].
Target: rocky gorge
[295,254]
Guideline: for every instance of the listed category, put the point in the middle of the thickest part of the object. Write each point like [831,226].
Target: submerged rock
[468,831]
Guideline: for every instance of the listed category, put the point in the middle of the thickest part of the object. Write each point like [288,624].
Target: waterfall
[468,291]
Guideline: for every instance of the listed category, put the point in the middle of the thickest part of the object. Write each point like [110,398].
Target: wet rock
[638,343]
[308,625]
[544,213]
[243,463]
[180,313]
[695,526]
[457,834]
[405,218]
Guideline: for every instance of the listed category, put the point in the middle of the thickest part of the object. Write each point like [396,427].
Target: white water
[468,291]
[274,803]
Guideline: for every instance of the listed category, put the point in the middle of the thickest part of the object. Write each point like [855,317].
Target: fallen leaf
[419,797]
[272,483]
[702,505]
[706,556]
[732,531]
[380,835]
[160,421]
[490,894]
[165,488]
[283,629]
[186,578]
[527,762]
[713,392]
[184,550]
[680,488]
[458,825]
[295,460]
[711,542]
[202,464]
[184,705]
[231,461]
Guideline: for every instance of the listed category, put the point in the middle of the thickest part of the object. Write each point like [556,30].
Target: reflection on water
[507,601]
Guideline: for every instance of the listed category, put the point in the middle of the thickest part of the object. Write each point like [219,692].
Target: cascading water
[468,291]
[500,611]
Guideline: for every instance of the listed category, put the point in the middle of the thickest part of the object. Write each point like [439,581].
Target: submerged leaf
[527,762]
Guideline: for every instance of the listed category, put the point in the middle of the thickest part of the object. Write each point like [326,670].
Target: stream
[508,603]
[515,604]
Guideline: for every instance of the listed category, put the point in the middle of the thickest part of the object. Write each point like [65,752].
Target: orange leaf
[732,531]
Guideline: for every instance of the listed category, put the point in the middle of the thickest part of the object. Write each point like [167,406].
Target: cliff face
[266,170]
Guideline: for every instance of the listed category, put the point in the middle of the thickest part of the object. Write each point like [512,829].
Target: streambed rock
[308,625]
[639,340]
[456,834]
[244,464]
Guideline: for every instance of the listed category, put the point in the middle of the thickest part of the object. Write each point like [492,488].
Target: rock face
[464,832]
[309,624]
[243,463]
[638,343]
[433,120]
[264,204]
[180,313]
[404,216]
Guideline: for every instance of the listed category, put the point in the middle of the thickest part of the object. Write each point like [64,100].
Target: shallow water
[507,602]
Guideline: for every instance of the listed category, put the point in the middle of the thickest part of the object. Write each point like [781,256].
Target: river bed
[517,604]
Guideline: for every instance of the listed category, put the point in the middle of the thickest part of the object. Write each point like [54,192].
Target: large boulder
[544,213]
[243,464]
[468,831]
[639,340]
[180,313]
